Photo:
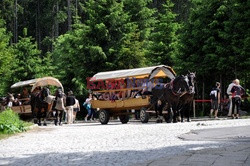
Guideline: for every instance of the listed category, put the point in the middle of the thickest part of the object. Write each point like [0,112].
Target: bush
[10,122]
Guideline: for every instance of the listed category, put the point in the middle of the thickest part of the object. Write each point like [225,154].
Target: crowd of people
[235,92]
[20,99]
[139,89]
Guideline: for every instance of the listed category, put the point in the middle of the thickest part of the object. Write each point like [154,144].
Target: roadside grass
[10,124]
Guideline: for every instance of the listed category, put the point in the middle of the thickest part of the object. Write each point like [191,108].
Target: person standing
[215,100]
[70,101]
[230,97]
[237,91]
[87,105]
[59,107]
[76,108]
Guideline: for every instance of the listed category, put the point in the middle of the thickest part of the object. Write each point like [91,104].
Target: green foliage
[6,58]
[212,38]
[28,61]
[10,122]
[108,38]
[213,41]
[164,36]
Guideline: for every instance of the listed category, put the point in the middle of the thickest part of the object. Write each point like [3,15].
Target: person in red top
[237,91]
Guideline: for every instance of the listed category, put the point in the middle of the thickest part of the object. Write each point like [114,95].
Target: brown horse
[39,106]
[186,100]
[169,94]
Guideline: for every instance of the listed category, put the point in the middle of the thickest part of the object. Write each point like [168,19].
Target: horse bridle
[191,76]
[178,93]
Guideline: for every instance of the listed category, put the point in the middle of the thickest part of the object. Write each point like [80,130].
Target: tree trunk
[76,14]
[221,84]
[69,14]
[203,93]
[15,23]
[38,29]
[56,21]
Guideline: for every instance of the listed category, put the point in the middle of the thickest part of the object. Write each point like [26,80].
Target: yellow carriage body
[115,106]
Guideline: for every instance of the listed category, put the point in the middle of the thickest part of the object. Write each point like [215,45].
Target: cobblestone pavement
[114,144]
[228,155]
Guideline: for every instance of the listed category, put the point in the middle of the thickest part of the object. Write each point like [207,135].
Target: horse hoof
[45,124]
[39,124]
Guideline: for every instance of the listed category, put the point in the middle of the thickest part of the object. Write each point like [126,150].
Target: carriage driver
[147,87]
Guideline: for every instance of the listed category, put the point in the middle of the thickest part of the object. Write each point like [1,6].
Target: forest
[74,39]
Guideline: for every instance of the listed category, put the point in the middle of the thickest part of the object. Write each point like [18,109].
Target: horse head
[191,80]
[180,85]
[45,92]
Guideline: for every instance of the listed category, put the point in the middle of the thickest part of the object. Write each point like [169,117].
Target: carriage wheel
[144,115]
[124,118]
[104,116]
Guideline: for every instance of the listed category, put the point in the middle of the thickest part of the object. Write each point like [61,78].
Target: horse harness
[171,86]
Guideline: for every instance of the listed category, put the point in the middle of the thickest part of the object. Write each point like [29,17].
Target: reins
[176,93]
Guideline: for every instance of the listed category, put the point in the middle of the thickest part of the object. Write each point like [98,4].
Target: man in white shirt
[230,97]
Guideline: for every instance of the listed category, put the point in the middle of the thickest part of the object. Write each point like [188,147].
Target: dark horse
[169,94]
[186,100]
[39,106]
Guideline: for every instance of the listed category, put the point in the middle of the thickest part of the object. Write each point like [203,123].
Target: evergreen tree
[28,60]
[164,36]
[105,40]
[6,58]
[213,41]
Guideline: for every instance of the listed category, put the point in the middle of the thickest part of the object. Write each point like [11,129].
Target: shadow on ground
[125,157]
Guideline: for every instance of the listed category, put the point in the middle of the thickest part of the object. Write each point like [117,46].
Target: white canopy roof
[24,83]
[146,72]
[47,81]
[38,82]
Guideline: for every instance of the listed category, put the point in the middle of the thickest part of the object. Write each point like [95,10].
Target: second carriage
[118,92]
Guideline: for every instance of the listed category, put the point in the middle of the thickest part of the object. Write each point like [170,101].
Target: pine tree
[164,36]
[6,58]
[28,60]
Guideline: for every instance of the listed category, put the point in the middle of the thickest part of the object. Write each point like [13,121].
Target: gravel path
[112,144]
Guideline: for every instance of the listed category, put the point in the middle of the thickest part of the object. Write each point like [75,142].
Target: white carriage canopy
[45,81]
[146,72]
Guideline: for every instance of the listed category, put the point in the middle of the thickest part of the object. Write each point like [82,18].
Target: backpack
[213,94]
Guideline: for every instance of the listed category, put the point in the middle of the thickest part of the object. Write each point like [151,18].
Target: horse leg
[56,117]
[175,114]
[35,115]
[182,110]
[188,112]
[46,114]
[182,113]
[160,111]
[60,117]
[39,112]
[156,110]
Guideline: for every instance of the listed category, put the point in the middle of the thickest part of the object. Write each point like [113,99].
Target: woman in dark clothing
[237,92]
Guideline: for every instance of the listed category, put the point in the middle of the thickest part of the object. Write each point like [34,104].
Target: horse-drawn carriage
[119,92]
[37,95]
